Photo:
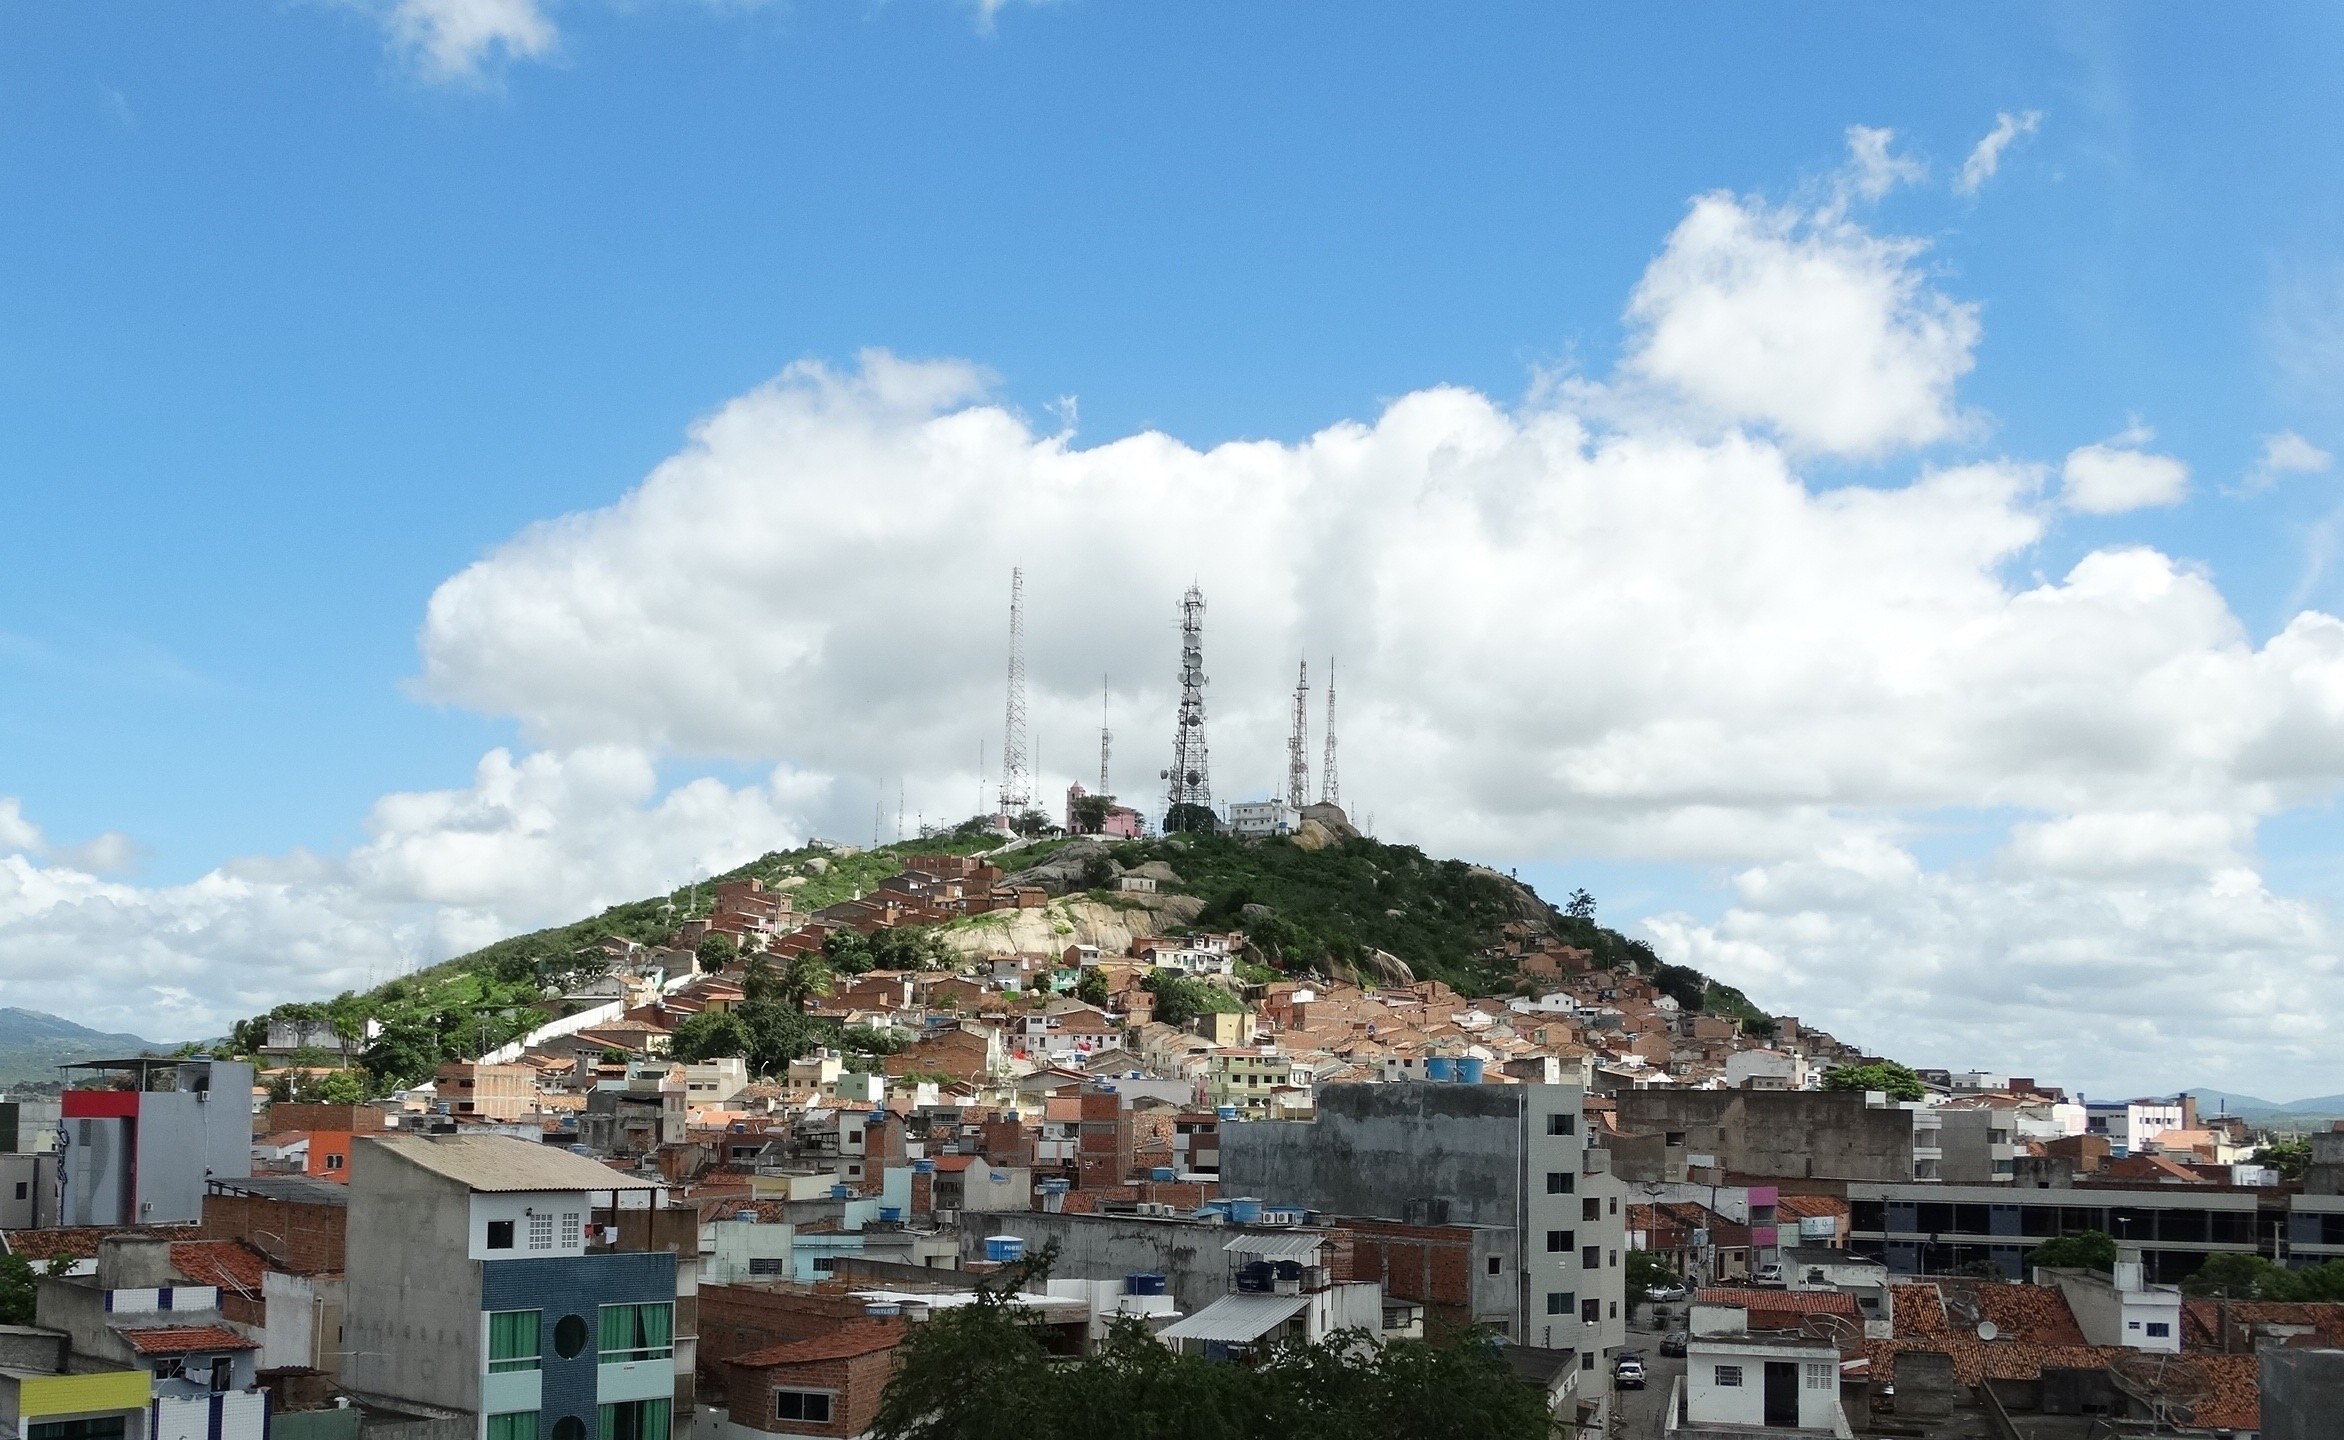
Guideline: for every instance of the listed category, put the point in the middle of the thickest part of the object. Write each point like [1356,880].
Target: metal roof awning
[1237,1319]
[1276,1247]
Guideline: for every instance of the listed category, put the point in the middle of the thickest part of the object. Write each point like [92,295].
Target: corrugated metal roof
[495,1164]
[1237,1319]
[1275,1247]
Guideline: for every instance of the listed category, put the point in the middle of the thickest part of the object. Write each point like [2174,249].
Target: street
[1638,1414]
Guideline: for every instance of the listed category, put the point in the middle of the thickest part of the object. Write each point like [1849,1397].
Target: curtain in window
[632,1420]
[512,1341]
[637,1332]
[658,1323]
[606,1423]
[519,1425]
[655,1416]
[618,1331]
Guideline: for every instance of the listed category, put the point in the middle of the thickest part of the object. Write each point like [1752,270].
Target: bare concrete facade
[1786,1134]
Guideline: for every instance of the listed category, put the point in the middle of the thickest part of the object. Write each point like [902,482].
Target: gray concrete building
[481,1282]
[1773,1134]
[140,1137]
[2303,1392]
[1513,1158]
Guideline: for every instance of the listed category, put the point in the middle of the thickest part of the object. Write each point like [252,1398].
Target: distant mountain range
[33,1044]
[2251,1107]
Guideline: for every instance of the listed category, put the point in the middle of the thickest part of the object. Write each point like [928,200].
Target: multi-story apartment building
[1249,1076]
[1513,1158]
[140,1137]
[480,1284]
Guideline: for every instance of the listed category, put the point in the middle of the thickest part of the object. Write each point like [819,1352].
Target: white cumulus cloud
[466,40]
[2114,476]
[1985,157]
[1814,328]
[2284,454]
[1874,168]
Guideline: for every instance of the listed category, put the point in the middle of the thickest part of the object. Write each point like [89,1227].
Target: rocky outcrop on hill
[1049,929]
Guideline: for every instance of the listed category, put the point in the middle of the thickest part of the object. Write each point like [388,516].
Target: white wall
[569,1210]
[1708,1402]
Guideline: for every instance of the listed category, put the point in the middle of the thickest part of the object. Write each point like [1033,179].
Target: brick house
[828,1386]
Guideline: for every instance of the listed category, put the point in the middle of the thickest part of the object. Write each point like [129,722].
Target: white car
[1769,1275]
[1667,1294]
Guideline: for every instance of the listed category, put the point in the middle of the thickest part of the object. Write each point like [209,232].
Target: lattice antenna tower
[1106,736]
[1298,744]
[1016,778]
[1330,786]
[1191,781]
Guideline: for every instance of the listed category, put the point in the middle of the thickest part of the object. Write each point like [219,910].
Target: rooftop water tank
[891,1214]
[1439,1067]
[842,1192]
[1245,1210]
[1004,1249]
[923,1167]
[882,1308]
[1163,1172]
[1227,1112]
[1469,1070]
[1146,1282]
[1055,1187]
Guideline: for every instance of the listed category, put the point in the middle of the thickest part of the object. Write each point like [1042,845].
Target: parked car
[1628,1373]
[1673,1344]
[1667,1294]
[1769,1275]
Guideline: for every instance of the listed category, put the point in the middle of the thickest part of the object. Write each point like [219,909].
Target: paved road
[1638,1414]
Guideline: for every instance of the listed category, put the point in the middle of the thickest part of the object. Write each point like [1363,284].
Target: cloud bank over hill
[1621,619]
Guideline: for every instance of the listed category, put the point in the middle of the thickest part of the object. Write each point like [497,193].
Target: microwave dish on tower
[1298,743]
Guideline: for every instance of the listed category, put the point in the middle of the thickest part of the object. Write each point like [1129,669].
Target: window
[103,1427]
[1497,1265]
[500,1234]
[1558,1182]
[1615,1204]
[334,1162]
[572,1233]
[768,1265]
[1821,1376]
[634,1420]
[637,1332]
[569,1336]
[1729,1376]
[513,1343]
[1591,1312]
[1615,1309]
[1561,1242]
[1592,1257]
[517,1425]
[1562,1125]
[1561,1302]
[21,1188]
[541,1232]
[1587,1360]
[1614,1261]
[1591,1209]
[810,1405]
[2161,1329]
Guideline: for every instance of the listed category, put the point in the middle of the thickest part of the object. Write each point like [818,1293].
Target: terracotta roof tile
[185,1339]
[79,1242]
[1782,1302]
[866,1337]
[229,1264]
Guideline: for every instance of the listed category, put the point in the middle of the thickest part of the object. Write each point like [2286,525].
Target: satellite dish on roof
[1986,1330]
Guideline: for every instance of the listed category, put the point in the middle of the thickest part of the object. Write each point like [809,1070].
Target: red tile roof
[864,1337]
[1783,1302]
[231,1265]
[2034,1314]
[186,1339]
[79,1242]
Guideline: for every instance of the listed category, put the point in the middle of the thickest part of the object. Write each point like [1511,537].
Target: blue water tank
[1227,1112]
[1469,1070]
[1245,1211]
[1055,1187]
[1004,1249]
[1163,1172]
[891,1214]
[842,1192]
[581,1149]
[877,1117]
[923,1167]
[1439,1067]
[1144,1283]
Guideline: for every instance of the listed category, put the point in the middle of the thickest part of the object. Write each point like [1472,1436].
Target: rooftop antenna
[1298,744]
[1188,800]
[1016,778]
[1106,736]
[1330,787]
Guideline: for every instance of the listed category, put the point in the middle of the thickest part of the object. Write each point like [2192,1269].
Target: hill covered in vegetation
[1338,905]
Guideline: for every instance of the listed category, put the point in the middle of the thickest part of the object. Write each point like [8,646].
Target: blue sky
[296,327]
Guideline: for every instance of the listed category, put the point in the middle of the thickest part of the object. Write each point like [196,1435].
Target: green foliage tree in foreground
[2251,1277]
[2289,1157]
[17,1290]
[1181,998]
[1887,1075]
[716,951]
[986,1371]
[2084,1250]
[1646,1270]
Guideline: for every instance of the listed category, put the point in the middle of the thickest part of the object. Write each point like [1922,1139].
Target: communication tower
[1016,779]
[1330,787]
[1188,800]
[1106,736]
[1298,744]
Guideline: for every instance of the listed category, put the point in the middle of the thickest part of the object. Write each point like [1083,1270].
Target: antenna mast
[1298,744]
[1191,787]
[1106,736]
[1330,787]
[1016,778]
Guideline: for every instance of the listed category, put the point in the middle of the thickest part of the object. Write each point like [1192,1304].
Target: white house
[1779,1383]
[2120,1309]
[1253,819]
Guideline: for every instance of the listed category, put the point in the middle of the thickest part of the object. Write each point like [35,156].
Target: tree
[18,1290]
[848,953]
[709,1035]
[1091,989]
[343,1087]
[1180,999]
[2083,1250]
[1090,813]
[2232,1276]
[1885,1075]
[716,951]
[806,976]
[1187,819]
[1683,984]
[989,1371]
[2289,1157]
[1647,1269]
[1581,906]
[1033,823]
[910,947]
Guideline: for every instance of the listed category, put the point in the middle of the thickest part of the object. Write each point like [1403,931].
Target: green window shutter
[518,1425]
[618,1331]
[513,1340]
